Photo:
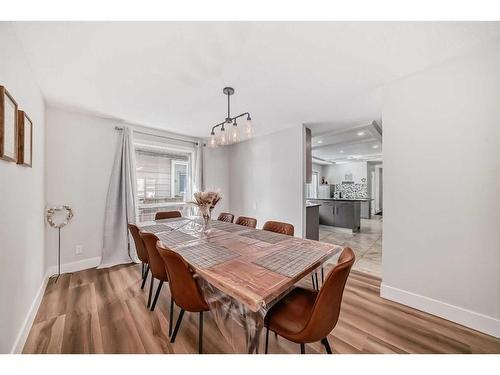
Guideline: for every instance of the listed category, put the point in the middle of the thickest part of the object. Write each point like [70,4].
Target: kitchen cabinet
[326,214]
[344,214]
[340,213]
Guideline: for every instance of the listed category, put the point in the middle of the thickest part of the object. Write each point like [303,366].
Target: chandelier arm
[243,114]
[216,126]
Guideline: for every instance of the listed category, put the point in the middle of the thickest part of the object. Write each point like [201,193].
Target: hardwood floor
[104,311]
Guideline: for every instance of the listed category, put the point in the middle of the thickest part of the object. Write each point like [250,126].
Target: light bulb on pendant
[248,127]
[212,143]
[222,139]
[235,134]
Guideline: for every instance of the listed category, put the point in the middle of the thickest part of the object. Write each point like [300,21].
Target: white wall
[266,178]
[318,168]
[216,176]
[441,191]
[22,266]
[79,157]
[335,173]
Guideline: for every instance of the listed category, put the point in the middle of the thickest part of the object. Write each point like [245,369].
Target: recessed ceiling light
[341,151]
[320,141]
[375,146]
[360,133]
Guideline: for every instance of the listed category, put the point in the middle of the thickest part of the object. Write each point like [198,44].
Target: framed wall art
[25,139]
[8,126]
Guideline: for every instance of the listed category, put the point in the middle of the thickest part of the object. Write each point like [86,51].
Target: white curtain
[198,178]
[118,248]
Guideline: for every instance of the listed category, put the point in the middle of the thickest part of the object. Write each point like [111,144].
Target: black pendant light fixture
[229,132]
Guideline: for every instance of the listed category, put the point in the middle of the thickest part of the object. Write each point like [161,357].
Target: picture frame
[25,139]
[8,126]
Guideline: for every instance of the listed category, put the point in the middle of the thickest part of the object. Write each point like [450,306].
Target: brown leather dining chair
[227,217]
[184,290]
[306,315]
[278,227]
[157,267]
[142,253]
[246,221]
[167,215]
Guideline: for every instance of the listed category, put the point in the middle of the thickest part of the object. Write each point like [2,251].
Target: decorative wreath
[52,210]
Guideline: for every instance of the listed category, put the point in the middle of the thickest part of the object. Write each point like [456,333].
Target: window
[179,182]
[163,180]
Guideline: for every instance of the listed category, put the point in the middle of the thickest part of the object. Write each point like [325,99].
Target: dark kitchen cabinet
[338,213]
[326,215]
[344,215]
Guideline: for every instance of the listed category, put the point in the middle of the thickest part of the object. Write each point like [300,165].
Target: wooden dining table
[251,267]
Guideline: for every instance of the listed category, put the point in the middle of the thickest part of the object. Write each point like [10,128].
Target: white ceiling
[170,75]
[359,143]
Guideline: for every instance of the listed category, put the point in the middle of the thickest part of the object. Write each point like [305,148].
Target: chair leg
[267,340]
[156,295]
[177,325]
[150,290]
[317,283]
[171,318]
[145,277]
[200,334]
[302,348]
[312,279]
[322,276]
[326,345]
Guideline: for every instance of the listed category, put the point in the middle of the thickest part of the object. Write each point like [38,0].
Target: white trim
[75,266]
[18,346]
[468,318]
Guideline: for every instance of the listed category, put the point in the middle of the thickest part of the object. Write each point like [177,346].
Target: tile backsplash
[351,190]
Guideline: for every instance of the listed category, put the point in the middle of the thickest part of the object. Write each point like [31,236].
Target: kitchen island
[340,212]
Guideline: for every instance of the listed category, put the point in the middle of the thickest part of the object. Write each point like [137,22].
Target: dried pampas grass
[206,200]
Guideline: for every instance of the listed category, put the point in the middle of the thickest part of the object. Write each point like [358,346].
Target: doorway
[348,167]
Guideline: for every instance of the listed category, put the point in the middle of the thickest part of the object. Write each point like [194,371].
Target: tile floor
[367,244]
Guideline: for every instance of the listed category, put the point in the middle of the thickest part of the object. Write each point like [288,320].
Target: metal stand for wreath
[50,213]
[58,254]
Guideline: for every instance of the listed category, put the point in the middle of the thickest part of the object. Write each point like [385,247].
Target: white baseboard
[30,317]
[18,346]
[468,318]
[75,266]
